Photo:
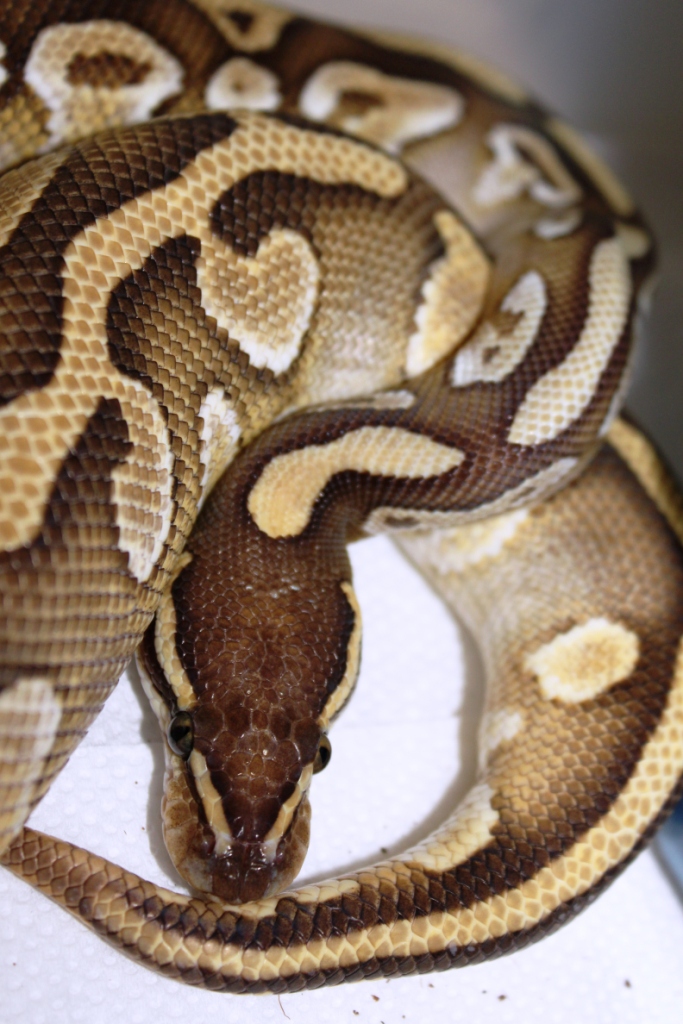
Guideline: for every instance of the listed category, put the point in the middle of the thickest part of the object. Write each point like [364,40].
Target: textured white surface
[394,774]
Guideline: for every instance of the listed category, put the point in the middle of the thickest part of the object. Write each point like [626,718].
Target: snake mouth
[245,870]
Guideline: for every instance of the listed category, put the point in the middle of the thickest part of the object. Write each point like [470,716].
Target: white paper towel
[394,774]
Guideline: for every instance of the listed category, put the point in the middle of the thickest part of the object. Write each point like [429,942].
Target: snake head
[242,748]
[236,808]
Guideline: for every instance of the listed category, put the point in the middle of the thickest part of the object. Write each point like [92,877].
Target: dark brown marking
[355,103]
[242,19]
[106,70]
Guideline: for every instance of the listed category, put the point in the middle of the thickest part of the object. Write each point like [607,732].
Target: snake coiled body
[242,269]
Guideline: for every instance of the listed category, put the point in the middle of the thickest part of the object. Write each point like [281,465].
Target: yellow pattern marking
[219,437]
[452,296]
[286,813]
[400,110]
[497,727]
[523,161]
[259,31]
[489,77]
[211,802]
[340,696]
[241,83]
[282,500]
[19,191]
[466,831]
[492,355]
[585,661]
[556,400]
[264,303]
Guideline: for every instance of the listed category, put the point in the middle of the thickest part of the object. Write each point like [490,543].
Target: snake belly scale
[240,327]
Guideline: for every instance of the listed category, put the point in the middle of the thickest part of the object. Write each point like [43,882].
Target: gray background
[613,68]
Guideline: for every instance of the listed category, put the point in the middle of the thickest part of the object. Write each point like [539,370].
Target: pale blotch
[383,109]
[452,296]
[339,697]
[465,546]
[584,662]
[142,488]
[165,637]
[265,302]
[241,83]
[4,74]
[30,713]
[550,228]
[602,176]
[555,401]
[491,354]
[523,161]
[49,68]
[497,727]
[282,500]
[635,242]
[246,24]
[468,830]
[219,437]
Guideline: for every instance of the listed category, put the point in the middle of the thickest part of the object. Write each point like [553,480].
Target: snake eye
[181,735]
[322,758]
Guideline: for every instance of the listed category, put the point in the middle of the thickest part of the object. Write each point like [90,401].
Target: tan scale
[282,499]
[491,353]
[453,297]
[558,398]
[369,365]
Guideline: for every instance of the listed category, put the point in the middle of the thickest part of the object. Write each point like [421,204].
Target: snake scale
[222,248]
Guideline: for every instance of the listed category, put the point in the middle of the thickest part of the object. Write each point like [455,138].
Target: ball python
[270,286]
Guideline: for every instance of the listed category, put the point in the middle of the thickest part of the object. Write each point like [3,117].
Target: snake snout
[241,870]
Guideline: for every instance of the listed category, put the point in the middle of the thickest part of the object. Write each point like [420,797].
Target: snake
[269,286]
